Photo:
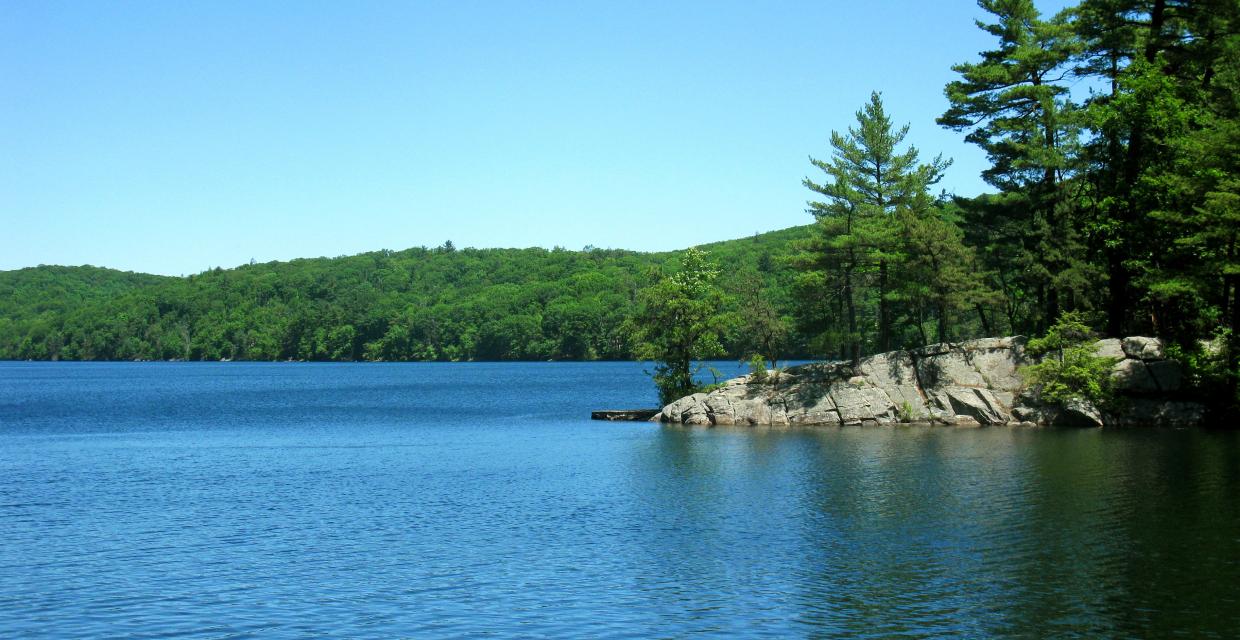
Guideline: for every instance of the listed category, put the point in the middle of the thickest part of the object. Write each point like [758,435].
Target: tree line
[1116,205]
[1120,204]
[438,303]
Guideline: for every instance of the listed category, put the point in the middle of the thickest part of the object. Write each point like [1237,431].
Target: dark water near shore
[369,500]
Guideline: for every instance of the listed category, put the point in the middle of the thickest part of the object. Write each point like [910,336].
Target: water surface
[234,500]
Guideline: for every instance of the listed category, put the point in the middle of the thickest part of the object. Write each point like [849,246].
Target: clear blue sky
[171,137]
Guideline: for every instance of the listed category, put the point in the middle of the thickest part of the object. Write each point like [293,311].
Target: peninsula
[972,383]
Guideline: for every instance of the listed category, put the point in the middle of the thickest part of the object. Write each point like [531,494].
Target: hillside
[416,304]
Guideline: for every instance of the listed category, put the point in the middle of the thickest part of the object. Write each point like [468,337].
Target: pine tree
[869,179]
[678,320]
[941,276]
[1014,104]
[1166,63]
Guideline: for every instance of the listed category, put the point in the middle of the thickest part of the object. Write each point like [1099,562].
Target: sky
[170,137]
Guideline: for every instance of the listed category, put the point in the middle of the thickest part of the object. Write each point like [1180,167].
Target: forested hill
[418,304]
[49,289]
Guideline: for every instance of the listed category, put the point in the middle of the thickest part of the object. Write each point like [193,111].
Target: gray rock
[1167,374]
[952,368]
[994,343]
[896,375]
[1026,413]
[978,404]
[1147,412]
[965,421]
[1109,348]
[881,406]
[999,367]
[975,382]
[719,409]
[1134,377]
[686,410]
[1143,348]
[932,350]
[811,404]
[1078,414]
[852,403]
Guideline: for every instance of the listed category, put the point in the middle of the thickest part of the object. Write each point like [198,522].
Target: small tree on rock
[678,321]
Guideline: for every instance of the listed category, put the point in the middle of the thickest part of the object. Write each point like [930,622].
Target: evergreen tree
[941,277]
[764,330]
[1014,104]
[677,321]
[869,179]
[1166,63]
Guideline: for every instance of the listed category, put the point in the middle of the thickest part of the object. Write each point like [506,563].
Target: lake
[233,500]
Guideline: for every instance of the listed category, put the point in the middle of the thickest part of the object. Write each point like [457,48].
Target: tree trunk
[1117,300]
[1158,17]
[1233,349]
[1052,305]
[884,312]
[854,342]
[981,315]
[1118,277]
[841,311]
[1118,304]
[1040,325]
[921,323]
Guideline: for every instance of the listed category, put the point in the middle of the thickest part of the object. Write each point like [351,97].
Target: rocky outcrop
[972,383]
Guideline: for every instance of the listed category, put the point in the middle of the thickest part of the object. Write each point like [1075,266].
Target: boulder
[1078,413]
[978,404]
[1149,412]
[896,375]
[1134,377]
[719,409]
[949,369]
[1007,342]
[1167,374]
[1143,348]
[999,367]
[1109,348]
[852,403]
[1030,413]
[687,410]
[811,404]
[933,349]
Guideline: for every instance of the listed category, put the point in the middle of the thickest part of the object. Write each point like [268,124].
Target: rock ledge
[973,383]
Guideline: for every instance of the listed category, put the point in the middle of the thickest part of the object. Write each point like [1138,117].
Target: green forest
[1112,130]
[439,303]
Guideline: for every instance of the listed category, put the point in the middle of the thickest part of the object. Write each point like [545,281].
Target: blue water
[234,500]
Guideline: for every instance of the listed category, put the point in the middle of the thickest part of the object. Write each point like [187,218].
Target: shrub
[677,322]
[1070,370]
[757,369]
[1206,369]
[907,414]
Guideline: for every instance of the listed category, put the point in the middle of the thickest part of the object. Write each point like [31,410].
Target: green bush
[757,369]
[1206,368]
[678,321]
[1070,370]
[907,414]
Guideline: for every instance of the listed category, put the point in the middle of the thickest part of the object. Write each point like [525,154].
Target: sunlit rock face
[971,383]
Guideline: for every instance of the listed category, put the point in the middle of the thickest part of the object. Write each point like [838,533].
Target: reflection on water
[931,531]
[380,501]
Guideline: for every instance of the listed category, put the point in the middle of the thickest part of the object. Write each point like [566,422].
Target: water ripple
[407,501]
